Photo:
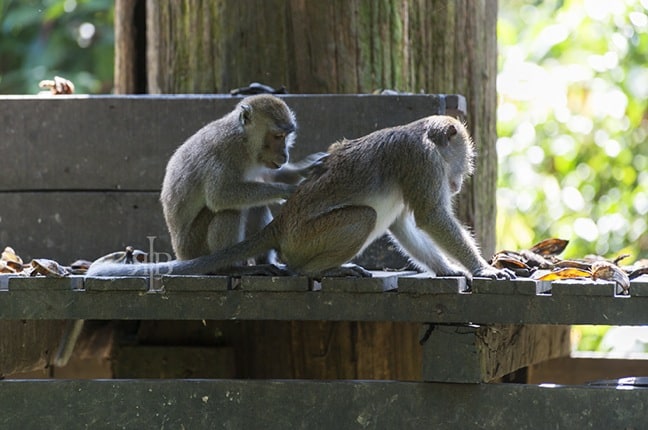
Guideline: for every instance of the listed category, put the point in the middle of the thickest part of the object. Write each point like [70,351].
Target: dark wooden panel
[581,370]
[146,361]
[28,345]
[213,404]
[124,142]
[341,303]
[66,226]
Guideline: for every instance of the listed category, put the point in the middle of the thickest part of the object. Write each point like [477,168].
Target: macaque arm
[446,231]
[293,173]
[247,194]
[418,245]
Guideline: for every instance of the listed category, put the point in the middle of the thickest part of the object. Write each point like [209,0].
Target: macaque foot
[453,273]
[257,270]
[493,273]
[346,270]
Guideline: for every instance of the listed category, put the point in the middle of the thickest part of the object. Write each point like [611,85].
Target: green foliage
[573,125]
[43,38]
[589,337]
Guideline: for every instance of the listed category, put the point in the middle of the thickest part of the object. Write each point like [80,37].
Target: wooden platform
[456,348]
[390,296]
[250,405]
[81,178]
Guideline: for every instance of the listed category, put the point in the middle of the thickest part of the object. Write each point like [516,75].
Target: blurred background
[572,116]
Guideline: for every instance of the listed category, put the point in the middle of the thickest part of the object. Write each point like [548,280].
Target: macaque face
[275,149]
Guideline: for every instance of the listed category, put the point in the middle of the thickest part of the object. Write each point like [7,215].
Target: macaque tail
[218,261]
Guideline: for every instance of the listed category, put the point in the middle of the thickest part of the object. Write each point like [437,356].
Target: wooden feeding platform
[468,339]
[81,177]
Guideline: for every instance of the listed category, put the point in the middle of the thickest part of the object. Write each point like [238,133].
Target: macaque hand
[493,273]
[294,173]
[311,164]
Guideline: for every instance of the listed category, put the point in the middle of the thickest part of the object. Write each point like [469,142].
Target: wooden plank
[173,361]
[116,284]
[424,283]
[258,404]
[582,288]
[124,142]
[378,283]
[450,354]
[639,286]
[171,283]
[66,226]
[44,285]
[28,345]
[470,353]
[322,305]
[581,370]
[513,286]
[274,283]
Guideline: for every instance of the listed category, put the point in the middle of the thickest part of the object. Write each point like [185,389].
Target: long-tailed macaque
[398,180]
[213,178]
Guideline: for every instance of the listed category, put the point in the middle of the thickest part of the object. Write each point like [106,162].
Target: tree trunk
[341,46]
[130,46]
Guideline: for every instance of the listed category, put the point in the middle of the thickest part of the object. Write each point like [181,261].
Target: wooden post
[473,354]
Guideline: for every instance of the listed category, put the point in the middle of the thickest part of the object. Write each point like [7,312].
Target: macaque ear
[246,114]
[451,131]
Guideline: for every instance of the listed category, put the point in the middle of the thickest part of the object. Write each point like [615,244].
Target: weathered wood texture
[180,362]
[28,345]
[130,47]
[582,370]
[353,46]
[430,302]
[465,353]
[216,404]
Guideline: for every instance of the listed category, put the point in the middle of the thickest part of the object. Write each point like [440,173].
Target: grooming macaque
[398,180]
[214,177]
[231,165]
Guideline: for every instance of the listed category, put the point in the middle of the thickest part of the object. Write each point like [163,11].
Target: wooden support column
[473,354]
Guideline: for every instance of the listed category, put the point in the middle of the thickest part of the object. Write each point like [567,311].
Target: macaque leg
[193,243]
[421,248]
[259,217]
[321,246]
[225,229]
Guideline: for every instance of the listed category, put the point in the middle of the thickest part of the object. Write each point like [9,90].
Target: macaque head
[270,125]
[453,143]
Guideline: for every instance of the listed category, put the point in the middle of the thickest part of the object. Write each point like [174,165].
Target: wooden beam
[469,353]
[28,345]
[581,370]
[258,404]
[47,298]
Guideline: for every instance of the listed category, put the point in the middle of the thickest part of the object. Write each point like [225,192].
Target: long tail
[253,246]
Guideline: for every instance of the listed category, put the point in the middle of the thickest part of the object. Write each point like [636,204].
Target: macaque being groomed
[397,180]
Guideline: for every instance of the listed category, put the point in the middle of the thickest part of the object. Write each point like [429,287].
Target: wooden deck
[389,296]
